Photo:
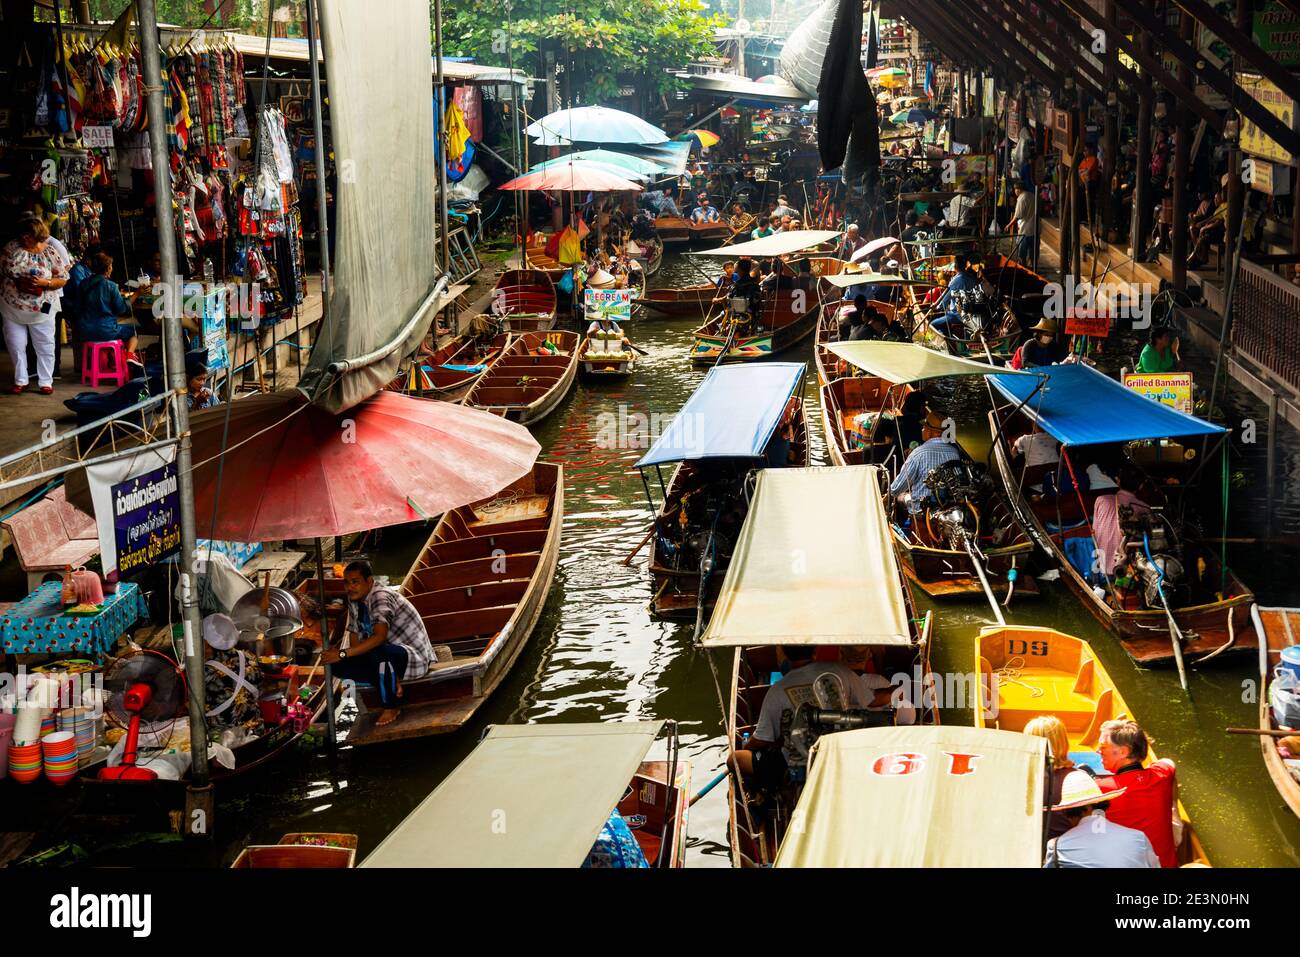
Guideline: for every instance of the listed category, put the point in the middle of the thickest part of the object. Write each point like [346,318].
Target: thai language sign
[146,518]
[1253,140]
[613,304]
[1168,388]
[1277,33]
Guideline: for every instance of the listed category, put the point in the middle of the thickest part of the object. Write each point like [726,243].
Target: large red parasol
[296,471]
[574,176]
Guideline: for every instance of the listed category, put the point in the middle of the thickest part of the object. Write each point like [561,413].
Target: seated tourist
[964,279]
[1040,452]
[884,330]
[853,241]
[1094,838]
[1144,798]
[1052,728]
[704,213]
[848,314]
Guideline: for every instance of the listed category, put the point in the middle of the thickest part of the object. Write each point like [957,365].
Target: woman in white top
[31,273]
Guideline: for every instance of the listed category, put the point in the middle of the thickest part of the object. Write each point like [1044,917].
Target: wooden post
[1077,195]
[1110,140]
[1064,209]
[1141,222]
[1182,164]
[1236,188]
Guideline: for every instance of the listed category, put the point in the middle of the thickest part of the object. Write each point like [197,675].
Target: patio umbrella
[913,115]
[878,72]
[872,248]
[593,124]
[572,177]
[621,172]
[637,164]
[704,137]
[293,470]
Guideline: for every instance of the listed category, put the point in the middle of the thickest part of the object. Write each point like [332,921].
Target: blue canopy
[731,415]
[1080,406]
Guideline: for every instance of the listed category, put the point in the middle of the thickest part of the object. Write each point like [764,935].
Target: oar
[984,583]
[718,779]
[1258,731]
[635,348]
[636,551]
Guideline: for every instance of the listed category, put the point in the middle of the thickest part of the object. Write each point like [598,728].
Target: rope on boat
[1011,673]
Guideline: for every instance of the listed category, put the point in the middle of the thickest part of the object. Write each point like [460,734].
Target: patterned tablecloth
[34,625]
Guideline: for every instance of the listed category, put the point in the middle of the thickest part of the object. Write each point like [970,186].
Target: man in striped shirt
[909,488]
[387,640]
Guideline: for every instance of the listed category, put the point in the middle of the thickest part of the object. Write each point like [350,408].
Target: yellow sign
[1253,140]
[1168,388]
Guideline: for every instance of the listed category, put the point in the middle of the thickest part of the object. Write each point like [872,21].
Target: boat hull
[791,329]
[524,387]
[1281,630]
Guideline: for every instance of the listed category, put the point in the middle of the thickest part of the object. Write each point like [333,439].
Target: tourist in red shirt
[1150,799]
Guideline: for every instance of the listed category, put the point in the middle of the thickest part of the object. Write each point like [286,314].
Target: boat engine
[1157,556]
[957,488]
[976,309]
[826,713]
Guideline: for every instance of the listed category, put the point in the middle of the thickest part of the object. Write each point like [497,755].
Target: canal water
[598,656]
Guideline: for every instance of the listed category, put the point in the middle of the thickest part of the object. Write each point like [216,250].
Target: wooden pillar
[1064,208]
[1141,224]
[1182,164]
[1110,140]
[1078,201]
[1236,188]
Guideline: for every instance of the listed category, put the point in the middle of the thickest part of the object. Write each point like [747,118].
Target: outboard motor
[957,490]
[1157,557]
[976,310]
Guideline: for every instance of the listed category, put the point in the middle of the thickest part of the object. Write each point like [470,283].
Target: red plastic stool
[103,362]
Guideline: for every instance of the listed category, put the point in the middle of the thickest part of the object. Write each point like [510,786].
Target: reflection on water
[597,655]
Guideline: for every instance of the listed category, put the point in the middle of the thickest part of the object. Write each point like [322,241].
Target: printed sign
[146,518]
[1168,388]
[97,137]
[613,304]
[1277,33]
[975,164]
[1087,322]
[214,328]
[1253,140]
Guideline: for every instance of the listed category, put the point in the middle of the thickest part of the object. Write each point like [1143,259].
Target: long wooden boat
[710,234]
[786,318]
[530,380]
[479,585]
[596,363]
[674,553]
[673,230]
[524,300]
[535,258]
[1281,628]
[311,850]
[1215,619]
[1048,672]
[532,776]
[451,371]
[829,367]
[682,303]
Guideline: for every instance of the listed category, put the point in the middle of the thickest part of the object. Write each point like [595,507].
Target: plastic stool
[103,362]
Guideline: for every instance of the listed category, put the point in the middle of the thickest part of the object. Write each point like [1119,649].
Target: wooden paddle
[636,551]
[1260,731]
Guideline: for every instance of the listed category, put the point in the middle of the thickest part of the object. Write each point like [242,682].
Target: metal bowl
[283,615]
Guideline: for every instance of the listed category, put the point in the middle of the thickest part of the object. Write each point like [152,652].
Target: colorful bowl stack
[60,756]
[49,724]
[25,762]
[82,725]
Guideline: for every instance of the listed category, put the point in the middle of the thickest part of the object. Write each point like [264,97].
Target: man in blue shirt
[909,488]
[963,280]
[1093,841]
[704,213]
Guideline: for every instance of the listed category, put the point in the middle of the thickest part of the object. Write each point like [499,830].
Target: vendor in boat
[853,318]
[909,489]
[1094,839]
[885,330]
[1107,535]
[853,241]
[1161,353]
[197,394]
[387,640]
[704,213]
[768,755]
[964,279]
[1045,348]
[1143,798]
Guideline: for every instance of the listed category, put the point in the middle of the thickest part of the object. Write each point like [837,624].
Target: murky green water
[598,656]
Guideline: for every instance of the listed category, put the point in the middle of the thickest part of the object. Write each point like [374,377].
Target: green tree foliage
[603,38]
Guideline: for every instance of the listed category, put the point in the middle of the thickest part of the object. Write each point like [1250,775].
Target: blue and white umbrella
[593,124]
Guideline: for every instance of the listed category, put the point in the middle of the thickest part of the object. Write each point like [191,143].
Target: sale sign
[1087,322]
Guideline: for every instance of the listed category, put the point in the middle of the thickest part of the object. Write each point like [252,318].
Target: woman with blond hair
[1052,728]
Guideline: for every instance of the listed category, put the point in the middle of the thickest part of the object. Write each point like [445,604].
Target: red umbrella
[575,176]
[293,470]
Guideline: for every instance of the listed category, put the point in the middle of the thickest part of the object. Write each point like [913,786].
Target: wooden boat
[597,363]
[1280,627]
[829,367]
[524,301]
[851,575]
[536,259]
[710,234]
[786,318]
[532,776]
[304,849]
[479,585]
[527,383]
[673,230]
[685,302]
[451,371]
[1027,672]
[1214,618]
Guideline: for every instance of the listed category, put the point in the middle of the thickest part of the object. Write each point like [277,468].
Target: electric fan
[144,687]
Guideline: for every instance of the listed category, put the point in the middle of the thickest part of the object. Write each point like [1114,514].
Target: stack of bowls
[48,724]
[25,762]
[60,756]
[82,725]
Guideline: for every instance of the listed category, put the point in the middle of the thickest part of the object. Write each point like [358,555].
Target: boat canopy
[901,362]
[1080,406]
[927,796]
[814,565]
[847,278]
[778,244]
[731,415]
[529,795]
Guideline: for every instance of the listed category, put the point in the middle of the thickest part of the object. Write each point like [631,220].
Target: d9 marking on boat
[1018,646]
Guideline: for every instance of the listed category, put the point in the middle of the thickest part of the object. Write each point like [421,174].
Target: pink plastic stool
[94,372]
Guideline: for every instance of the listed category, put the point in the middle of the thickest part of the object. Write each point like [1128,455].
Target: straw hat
[600,279]
[1079,789]
[1044,325]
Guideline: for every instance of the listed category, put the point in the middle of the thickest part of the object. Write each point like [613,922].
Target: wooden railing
[1266,322]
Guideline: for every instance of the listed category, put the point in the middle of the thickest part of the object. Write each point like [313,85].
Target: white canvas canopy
[530,795]
[778,244]
[814,565]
